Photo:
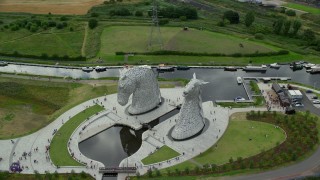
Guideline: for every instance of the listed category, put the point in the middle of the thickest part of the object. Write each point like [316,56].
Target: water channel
[109,146]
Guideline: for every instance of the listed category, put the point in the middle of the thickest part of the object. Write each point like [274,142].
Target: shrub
[221,23]
[259,36]
[138,13]
[232,16]
[92,23]
[94,14]
[183,18]
[63,18]
[52,23]
[163,21]
[291,12]
[59,26]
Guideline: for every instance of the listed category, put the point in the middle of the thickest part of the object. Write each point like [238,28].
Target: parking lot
[310,98]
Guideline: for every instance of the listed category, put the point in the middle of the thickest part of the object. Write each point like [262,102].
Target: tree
[158,172]
[296,26]
[287,25]
[249,19]
[150,173]
[232,17]
[277,26]
[309,36]
[186,170]
[138,13]
[93,23]
[290,12]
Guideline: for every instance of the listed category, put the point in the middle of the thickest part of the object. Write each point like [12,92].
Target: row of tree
[33,24]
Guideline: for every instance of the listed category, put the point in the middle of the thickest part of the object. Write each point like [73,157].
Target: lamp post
[127,152]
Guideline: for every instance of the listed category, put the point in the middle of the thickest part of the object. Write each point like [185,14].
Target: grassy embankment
[309,9]
[58,148]
[26,106]
[164,153]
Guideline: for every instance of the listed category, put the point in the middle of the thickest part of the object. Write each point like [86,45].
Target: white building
[295,94]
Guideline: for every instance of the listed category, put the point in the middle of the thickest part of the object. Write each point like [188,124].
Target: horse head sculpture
[191,120]
[142,83]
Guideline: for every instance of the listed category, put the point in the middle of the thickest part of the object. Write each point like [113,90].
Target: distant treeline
[45,56]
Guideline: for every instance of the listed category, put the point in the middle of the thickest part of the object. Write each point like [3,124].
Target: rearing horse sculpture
[142,83]
[191,120]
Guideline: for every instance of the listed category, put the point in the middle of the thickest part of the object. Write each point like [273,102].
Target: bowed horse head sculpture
[142,83]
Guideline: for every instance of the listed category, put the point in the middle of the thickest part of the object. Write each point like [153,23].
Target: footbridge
[115,170]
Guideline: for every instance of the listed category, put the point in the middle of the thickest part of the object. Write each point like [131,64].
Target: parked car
[309,91]
[315,97]
[239,98]
[298,104]
[316,101]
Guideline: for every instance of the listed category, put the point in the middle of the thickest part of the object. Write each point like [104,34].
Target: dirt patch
[239,116]
[46,6]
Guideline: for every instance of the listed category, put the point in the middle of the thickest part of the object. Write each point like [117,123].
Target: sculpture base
[127,111]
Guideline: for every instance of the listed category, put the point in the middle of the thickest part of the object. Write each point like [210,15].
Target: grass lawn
[135,39]
[235,143]
[164,153]
[50,42]
[28,105]
[58,148]
[302,7]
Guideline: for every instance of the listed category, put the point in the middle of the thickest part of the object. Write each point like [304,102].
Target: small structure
[191,119]
[295,94]
[277,88]
[142,83]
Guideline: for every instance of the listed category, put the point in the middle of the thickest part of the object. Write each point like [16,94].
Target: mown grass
[58,148]
[236,143]
[164,153]
[194,40]
[135,39]
[309,9]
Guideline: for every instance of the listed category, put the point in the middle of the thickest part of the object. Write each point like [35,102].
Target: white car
[316,101]
[239,98]
[298,105]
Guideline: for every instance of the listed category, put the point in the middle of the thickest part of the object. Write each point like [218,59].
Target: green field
[301,7]
[50,42]
[135,39]
[28,105]
[58,148]
[164,153]
[236,143]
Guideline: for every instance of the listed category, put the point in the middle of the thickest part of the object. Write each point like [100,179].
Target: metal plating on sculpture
[191,120]
[142,83]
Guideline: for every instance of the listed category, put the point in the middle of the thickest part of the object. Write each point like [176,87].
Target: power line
[155,39]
